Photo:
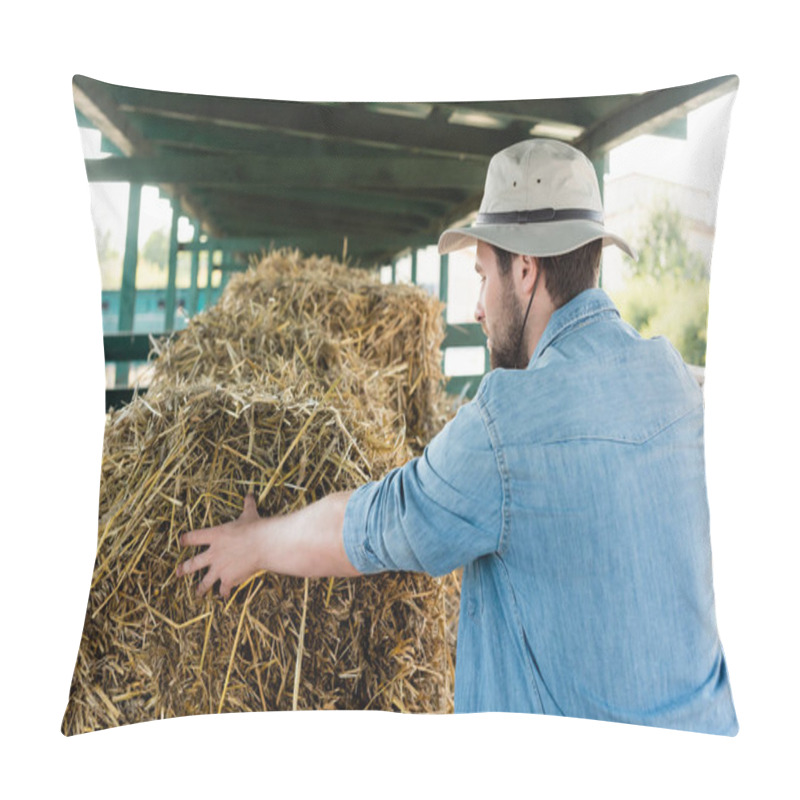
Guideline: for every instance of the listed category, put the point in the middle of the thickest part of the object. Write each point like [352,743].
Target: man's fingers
[208,581]
[221,536]
[250,509]
[194,563]
[197,538]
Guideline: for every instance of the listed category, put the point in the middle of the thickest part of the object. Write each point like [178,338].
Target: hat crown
[540,173]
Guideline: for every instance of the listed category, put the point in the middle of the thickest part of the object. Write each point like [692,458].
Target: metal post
[208,279]
[127,295]
[600,163]
[195,269]
[414,266]
[226,276]
[394,271]
[169,311]
[444,263]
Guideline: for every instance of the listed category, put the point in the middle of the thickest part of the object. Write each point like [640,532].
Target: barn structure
[370,183]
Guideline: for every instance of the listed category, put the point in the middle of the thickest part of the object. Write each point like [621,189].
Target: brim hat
[541,198]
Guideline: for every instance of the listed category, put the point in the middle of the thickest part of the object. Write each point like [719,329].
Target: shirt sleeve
[440,511]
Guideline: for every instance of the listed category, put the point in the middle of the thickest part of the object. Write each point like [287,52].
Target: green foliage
[156,248]
[110,260]
[671,307]
[106,254]
[667,293]
[663,250]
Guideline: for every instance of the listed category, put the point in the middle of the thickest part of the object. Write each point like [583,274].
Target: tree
[663,249]
[156,248]
[105,252]
[667,294]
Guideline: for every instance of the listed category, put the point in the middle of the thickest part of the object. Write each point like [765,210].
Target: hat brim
[548,238]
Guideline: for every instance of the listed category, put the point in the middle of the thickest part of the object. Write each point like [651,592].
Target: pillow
[277,322]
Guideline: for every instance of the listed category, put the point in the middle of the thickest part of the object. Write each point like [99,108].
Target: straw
[307,378]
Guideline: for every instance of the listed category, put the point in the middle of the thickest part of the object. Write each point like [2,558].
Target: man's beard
[508,348]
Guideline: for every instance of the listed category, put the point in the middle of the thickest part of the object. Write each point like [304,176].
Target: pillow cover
[274,319]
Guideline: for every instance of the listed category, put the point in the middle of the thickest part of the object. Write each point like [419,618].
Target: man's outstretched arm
[307,543]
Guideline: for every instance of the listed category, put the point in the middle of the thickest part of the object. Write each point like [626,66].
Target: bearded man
[571,489]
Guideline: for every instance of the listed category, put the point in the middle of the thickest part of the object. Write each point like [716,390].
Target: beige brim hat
[541,198]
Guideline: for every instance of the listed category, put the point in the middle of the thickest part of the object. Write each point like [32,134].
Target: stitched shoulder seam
[502,469]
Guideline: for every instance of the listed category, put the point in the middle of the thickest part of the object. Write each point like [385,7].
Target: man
[571,489]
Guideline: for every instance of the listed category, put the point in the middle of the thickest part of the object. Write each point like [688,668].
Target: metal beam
[244,212]
[468,334]
[356,245]
[398,172]
[95,101]
[600,164]
[193,289]
[423,204]
[137,347]
[172,270]
[171,131]
[127,346]
[248,244]
[444,278]
[352,122]
[209,270]
[651,111]
[127,298]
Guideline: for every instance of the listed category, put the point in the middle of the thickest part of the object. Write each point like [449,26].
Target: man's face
[499,312]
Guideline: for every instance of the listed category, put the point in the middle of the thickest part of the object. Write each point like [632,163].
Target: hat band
[538,215]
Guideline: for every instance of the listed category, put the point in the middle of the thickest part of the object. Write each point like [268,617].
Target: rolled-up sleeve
[438,512]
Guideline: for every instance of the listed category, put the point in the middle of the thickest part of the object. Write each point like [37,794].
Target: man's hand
[306,543]
[234,552]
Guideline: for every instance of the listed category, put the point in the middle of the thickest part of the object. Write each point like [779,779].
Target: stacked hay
[290,389]
[382,343]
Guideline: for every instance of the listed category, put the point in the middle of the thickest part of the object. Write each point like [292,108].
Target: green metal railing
[126,347]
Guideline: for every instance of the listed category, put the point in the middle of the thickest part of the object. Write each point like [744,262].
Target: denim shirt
[573,493]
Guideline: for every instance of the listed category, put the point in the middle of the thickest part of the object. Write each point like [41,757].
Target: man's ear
[529,271]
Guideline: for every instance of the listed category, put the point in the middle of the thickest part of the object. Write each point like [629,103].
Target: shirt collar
[589,305]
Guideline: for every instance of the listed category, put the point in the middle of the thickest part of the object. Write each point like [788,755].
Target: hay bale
[151,649]
[296,385]
[333,320]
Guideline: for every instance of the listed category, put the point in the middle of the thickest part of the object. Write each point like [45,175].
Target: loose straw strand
[300,638]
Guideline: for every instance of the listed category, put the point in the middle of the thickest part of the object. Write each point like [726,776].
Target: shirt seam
[582,437]
[521,631]
[588,317]
[502,469]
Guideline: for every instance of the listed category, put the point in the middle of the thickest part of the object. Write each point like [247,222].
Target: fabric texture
[573,494]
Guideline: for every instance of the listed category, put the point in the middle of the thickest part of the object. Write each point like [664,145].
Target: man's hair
[565,276]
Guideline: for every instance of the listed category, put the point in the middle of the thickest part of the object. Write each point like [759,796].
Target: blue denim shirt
[573,493]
